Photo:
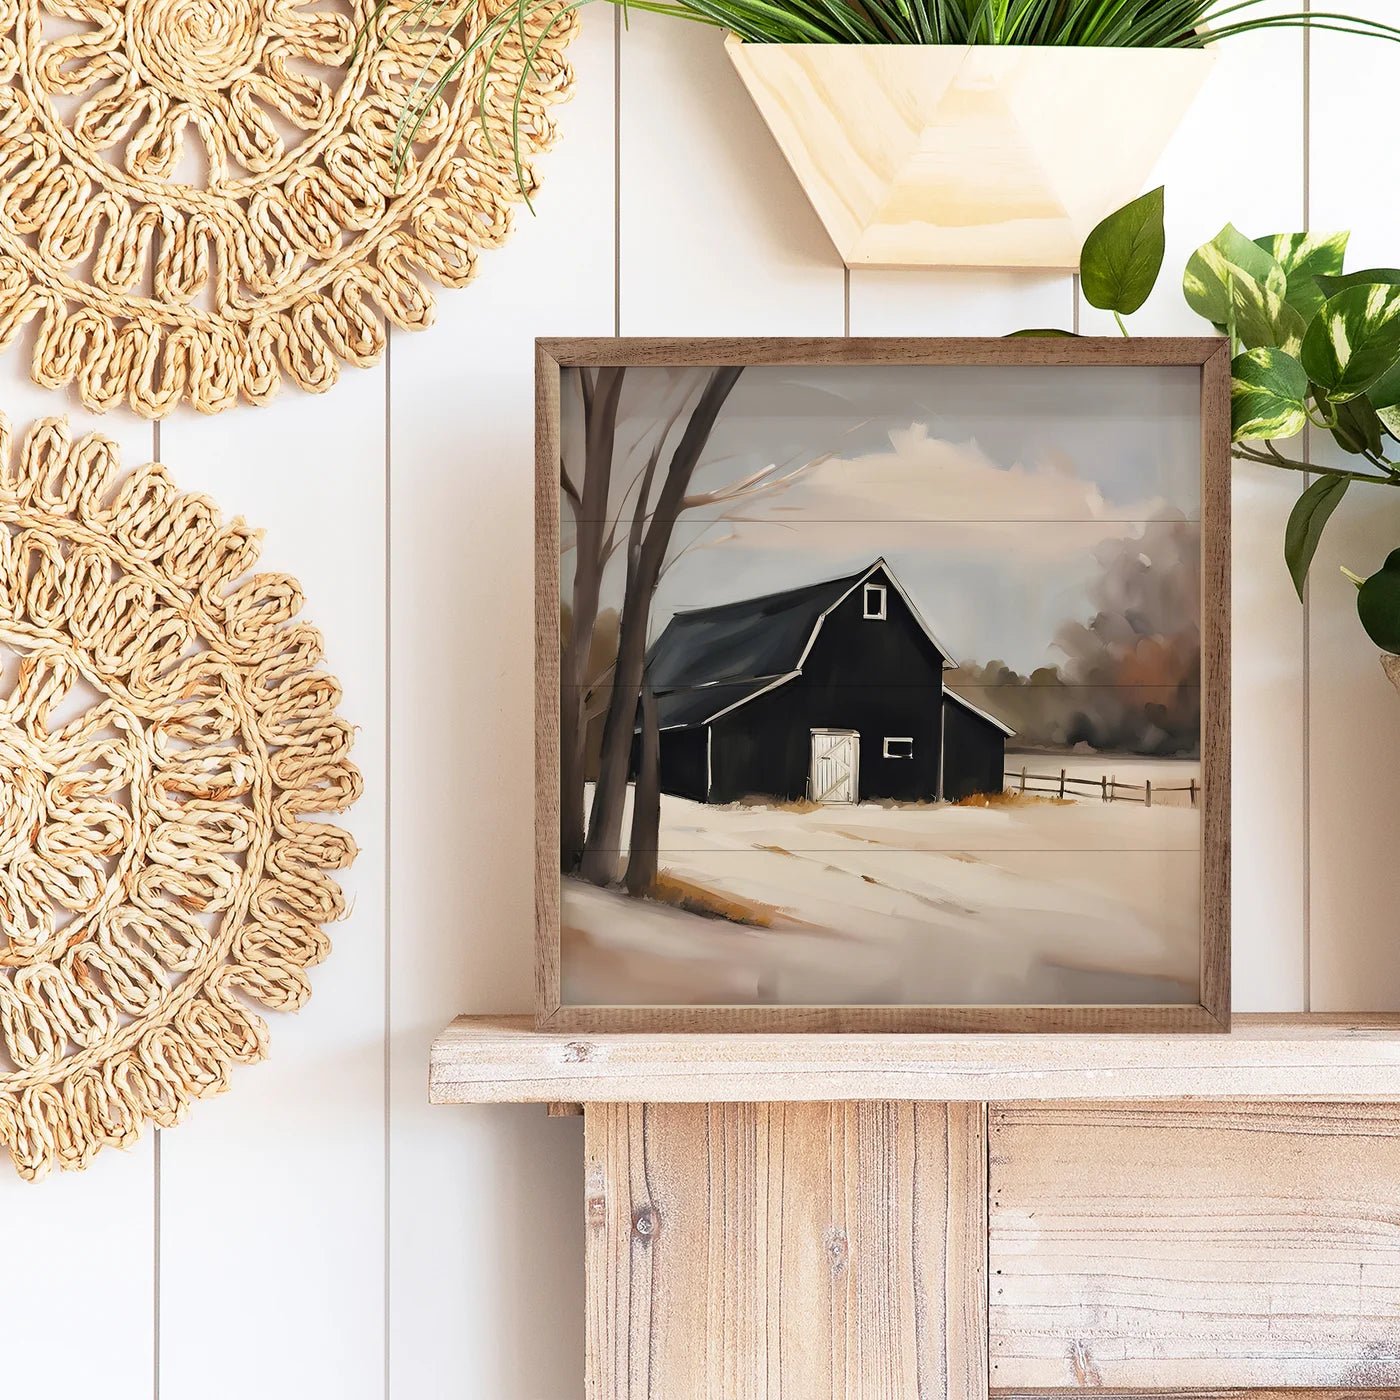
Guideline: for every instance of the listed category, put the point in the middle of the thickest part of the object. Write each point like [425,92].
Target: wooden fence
[1107,787]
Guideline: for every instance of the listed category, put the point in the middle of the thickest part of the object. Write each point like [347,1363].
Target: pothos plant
[1314,347]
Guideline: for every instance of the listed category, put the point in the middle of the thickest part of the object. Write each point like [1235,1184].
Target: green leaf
[1304,257]
[1047,331]
[1378,604]
[1122,257]
[1384,397]
[1260,316]
[1305,525]
[1268,395]
[1359,427]
[1354,340]
[1370,277]
[1208,273]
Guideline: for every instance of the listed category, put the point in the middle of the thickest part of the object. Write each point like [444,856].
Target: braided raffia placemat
[165,736]
[198,197]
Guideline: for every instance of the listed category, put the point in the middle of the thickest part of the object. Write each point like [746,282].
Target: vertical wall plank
[79,1245]
[272,1219]
[958,302]
[1355,748]
[786,1251]
[715,236]
[1201,172]
[485,1267]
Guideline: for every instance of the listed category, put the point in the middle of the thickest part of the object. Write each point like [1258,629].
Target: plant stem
[1274,459]
[1122,325]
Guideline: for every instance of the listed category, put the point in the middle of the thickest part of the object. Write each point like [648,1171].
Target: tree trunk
[646,802]
[646,554]
[591,518]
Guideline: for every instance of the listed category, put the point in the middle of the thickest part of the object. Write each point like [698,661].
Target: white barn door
[835,765]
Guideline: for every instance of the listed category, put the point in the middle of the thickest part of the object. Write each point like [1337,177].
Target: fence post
[1193,792]
[1062,784]
[1103,785]
[1113,787]
[1149,792]
[1023,779]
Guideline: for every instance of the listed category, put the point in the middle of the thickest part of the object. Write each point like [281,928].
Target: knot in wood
[838,1249]
[645,1223]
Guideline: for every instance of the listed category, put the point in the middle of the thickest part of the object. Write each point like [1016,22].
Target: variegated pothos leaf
[1304,257]
[1261,317]
[1268,395]
[1229,254]
[1354,340]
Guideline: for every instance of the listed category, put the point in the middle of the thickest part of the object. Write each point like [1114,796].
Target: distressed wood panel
[787,1252]
[1180,1247]
[1212,1393]
[503,1059]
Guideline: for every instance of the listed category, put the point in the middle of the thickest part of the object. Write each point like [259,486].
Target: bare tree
[649,539]
[645,840]
[601,394]
[615,514]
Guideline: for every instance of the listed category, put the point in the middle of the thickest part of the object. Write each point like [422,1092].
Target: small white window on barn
[899,748]
[875,601]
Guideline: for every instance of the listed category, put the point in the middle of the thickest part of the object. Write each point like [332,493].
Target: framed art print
[883,684]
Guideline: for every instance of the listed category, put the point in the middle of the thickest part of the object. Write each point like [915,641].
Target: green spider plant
[1138,24]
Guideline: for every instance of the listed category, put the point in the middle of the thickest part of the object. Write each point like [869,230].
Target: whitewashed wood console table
[855,1217]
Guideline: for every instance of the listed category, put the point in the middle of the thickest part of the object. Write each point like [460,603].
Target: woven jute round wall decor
[198,197]
[166,739]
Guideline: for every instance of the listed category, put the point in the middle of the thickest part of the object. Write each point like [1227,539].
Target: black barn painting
[832,693]
[810,618]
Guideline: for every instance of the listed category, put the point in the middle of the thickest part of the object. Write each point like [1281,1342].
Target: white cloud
[926,478]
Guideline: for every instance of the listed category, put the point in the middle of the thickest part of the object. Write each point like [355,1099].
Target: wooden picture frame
[1211,358]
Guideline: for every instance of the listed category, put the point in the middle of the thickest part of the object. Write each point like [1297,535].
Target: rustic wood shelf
[503,1059]
[822,1215]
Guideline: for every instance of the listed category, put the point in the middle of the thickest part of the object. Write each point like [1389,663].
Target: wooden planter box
[941,156]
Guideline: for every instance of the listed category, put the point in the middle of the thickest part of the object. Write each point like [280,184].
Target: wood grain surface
[786,1252]
[503,1059]
[1173,1248]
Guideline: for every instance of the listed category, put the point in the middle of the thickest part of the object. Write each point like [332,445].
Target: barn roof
[759,642]
[967,704]
[682,709]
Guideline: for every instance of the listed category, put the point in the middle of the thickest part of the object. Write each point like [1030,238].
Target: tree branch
[755,485]
[568,487]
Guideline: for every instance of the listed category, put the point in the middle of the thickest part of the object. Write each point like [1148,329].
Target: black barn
[832,692]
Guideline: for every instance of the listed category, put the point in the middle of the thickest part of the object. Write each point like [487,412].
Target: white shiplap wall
[319,1232]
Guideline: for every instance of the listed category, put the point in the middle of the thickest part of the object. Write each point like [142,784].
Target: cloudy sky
[988,491]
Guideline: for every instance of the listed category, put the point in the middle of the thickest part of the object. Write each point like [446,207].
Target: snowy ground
[1038,902]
